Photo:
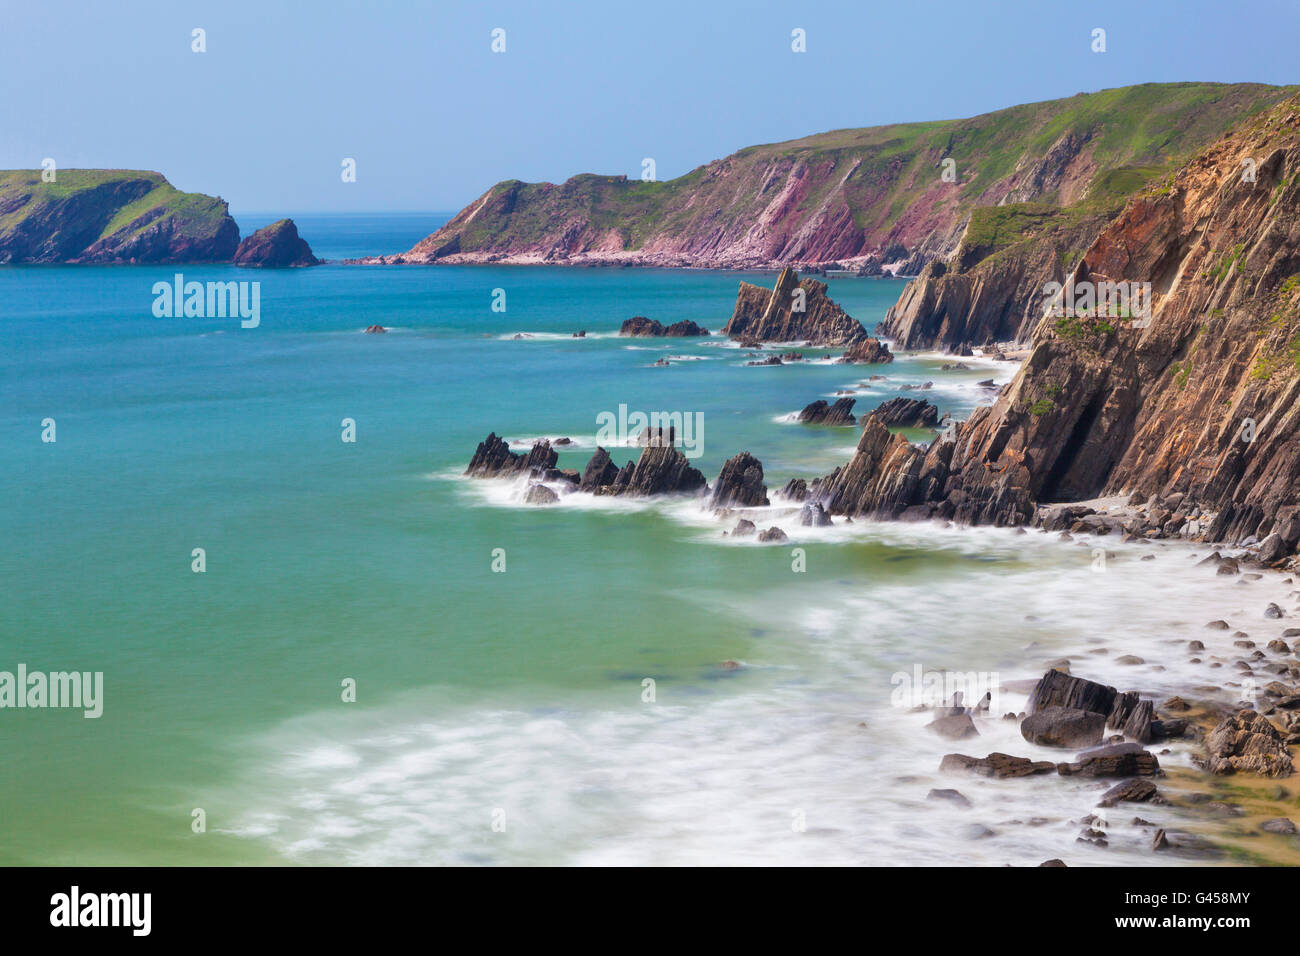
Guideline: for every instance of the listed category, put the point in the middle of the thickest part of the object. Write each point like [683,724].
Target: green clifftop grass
[109,215]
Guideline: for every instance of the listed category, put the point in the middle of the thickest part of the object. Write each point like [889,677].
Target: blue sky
[412,91]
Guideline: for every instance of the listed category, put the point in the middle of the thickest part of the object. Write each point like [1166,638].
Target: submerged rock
[773,534]
[996,765]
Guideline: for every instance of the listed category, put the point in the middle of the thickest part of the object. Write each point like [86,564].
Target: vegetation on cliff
[110,215]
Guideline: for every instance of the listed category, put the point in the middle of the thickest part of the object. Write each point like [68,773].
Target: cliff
[110,215]
[861,196]
[1194,406]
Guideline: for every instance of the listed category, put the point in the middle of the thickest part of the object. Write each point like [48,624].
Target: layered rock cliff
[110,215]
[899,195]
[1197,403]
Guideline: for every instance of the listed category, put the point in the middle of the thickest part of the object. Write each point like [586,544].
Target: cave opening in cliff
[1063,482]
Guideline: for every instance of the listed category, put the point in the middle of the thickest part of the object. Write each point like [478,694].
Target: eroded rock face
[1246,742]
[1105,405]
[822,413]
[277,246]
[740,484]
[907,413]
[1113,760]
[794,310]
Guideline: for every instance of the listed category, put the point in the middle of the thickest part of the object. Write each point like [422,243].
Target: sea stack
[277,246]
[795,310]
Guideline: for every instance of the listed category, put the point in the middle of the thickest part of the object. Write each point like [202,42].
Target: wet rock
[1052,863]
[493,458]
[641,327]
[1273,612]
[1063,727]
[540,495]
[794,310]
[1218,626]
[1129,659]
[996,765]
[796,489]
[821,413]
[1278,646]
[740,483]
[599,471]
[1246,742]
[1112,760]
[744,527]
[1138,725]
[661,469]
[869,351]
[1055,689]
[954,726]
[1160,841]
[773,534]
[1132,791]
[814,515]
[951,796]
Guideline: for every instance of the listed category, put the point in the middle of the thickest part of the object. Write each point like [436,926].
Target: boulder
[1063,727]
[744,527]
[540,495]
[1055,689]
[1139,790]
[773,534]
[954,726]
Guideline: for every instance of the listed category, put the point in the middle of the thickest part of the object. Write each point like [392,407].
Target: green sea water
[500,717]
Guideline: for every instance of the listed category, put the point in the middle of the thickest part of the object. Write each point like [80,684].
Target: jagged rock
[740,483]
[773,534]
[867,352]
[601,470]
[1112,760]
[744,527]
[494,458]
[641,327]
[813,515]
[773,316]
[1063,727]
[954,726]
[277,246]
[540,495]
[1246,742]
[1055,689]
[996,765]
[661,469]
[907,412]
[796,489]
[375,330]
[820,413]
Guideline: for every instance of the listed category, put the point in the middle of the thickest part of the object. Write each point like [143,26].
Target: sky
[413,92]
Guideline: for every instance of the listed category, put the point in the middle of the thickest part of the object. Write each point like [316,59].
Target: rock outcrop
[795,310]
[867,351]
[642,327]
[907,413]
[277,246]
[494,459]
[660,470]
[1246,742]
[822,413]
[740,484]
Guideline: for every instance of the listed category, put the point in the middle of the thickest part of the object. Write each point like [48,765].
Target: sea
[321,644]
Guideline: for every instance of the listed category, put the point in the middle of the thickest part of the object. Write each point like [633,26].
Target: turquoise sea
[500,717]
